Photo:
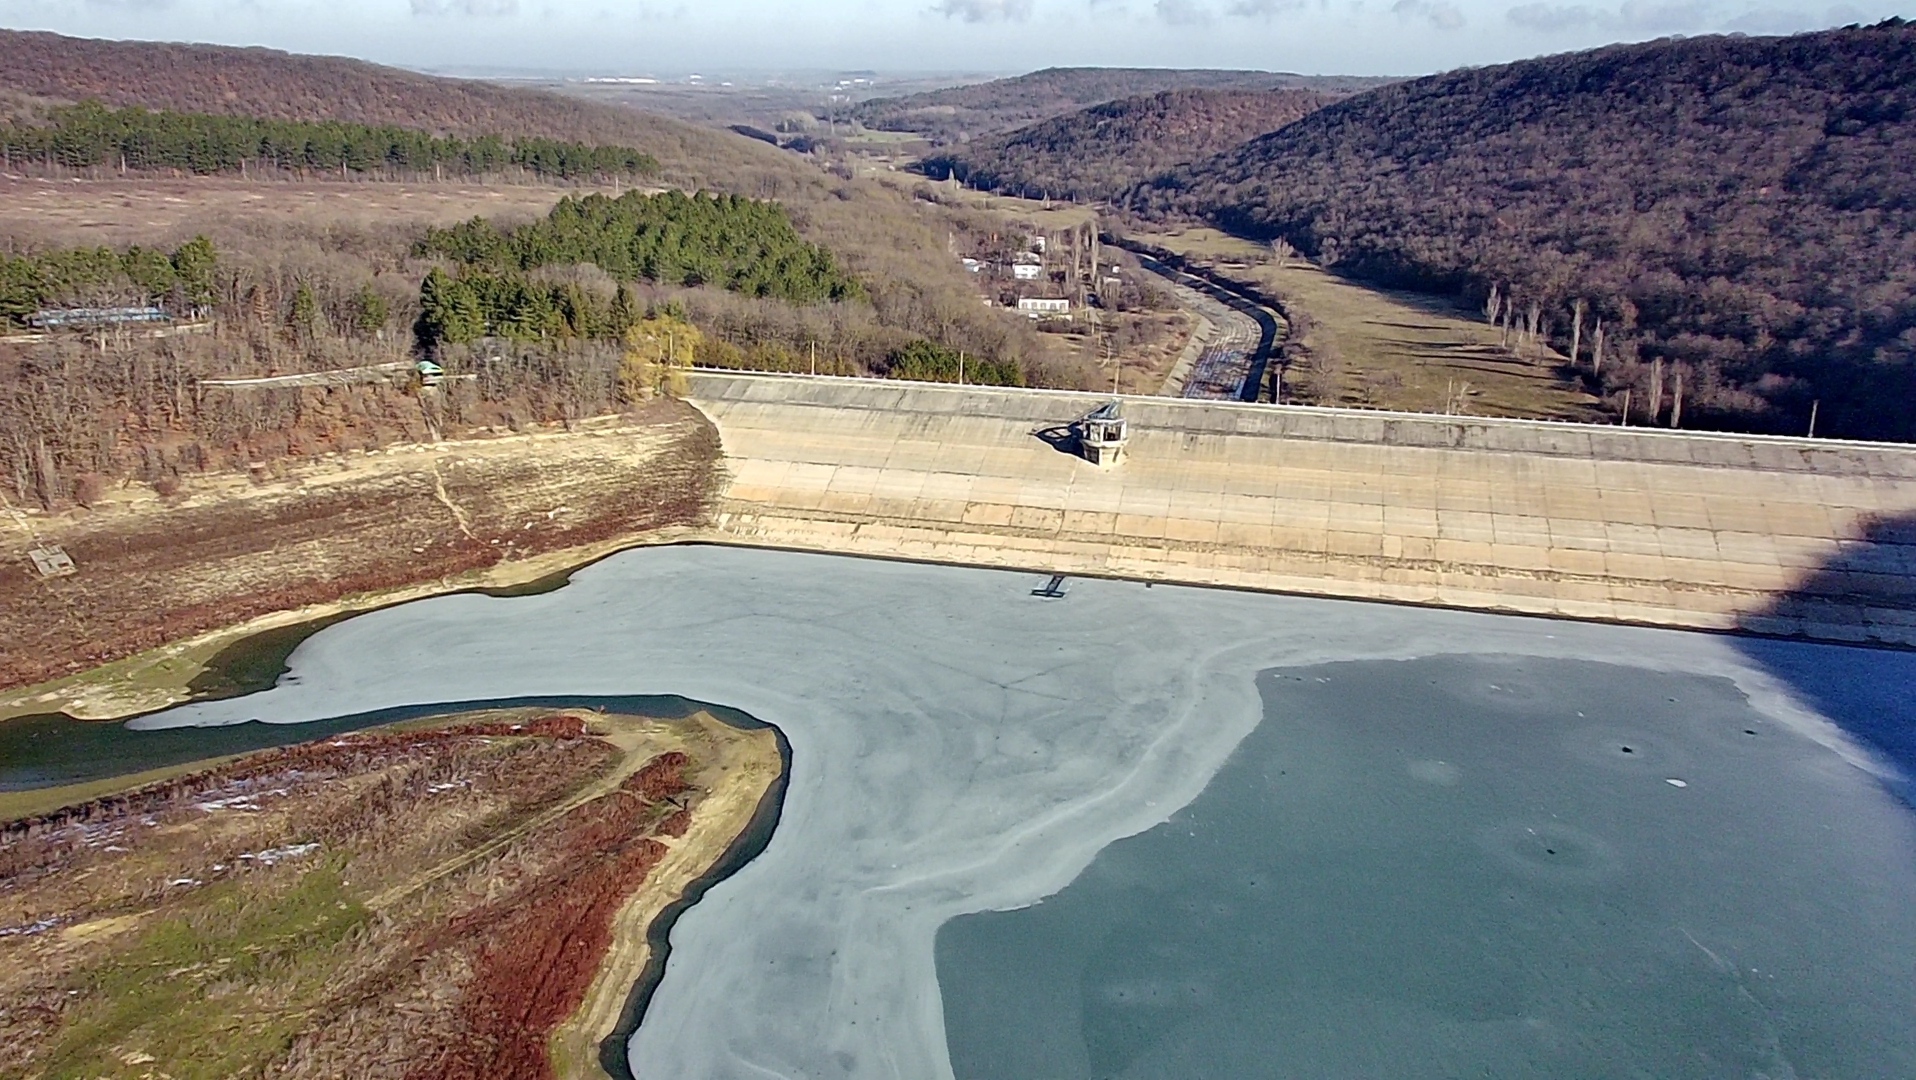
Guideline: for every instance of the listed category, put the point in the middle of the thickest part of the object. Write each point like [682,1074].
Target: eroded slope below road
[331,534]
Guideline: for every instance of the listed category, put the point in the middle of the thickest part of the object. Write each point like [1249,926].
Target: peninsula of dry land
[465,897]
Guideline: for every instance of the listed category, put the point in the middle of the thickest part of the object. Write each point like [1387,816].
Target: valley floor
[1390,350]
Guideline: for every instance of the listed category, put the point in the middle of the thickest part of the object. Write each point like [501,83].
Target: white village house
[1040,307]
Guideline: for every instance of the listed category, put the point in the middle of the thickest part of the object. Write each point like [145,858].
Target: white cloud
[1771,21]
[1183,12]
[1663,16]
[1263,9]
[476,9]
[1551,18]
[1633,17]
[1440,14]
[977,11]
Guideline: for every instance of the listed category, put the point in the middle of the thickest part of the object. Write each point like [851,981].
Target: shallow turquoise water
[1472,867]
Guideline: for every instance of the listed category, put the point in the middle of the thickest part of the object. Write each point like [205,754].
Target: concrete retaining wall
[1694,530]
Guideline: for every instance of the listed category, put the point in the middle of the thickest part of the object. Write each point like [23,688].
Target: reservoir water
[1470,867]
[1160,831]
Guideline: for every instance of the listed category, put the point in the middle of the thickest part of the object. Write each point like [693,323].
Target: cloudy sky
[677,36]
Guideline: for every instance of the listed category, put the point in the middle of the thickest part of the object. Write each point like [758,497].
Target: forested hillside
[1740,213]
[90,135]
[1101,152]
[879,235]
[1006,104]
[182,279]
[274,85]
[674,239]
[671,239]
[266,84]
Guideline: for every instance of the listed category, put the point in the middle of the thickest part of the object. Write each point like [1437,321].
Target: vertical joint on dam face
[1101,434]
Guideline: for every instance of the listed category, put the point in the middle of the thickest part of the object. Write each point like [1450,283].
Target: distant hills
[272,85]
[882,235]
[1100,152]
[1742,209]
[964,112]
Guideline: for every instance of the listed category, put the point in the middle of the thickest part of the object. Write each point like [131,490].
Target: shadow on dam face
[1866,592]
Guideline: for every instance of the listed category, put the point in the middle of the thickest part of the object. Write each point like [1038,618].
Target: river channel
[1157,831]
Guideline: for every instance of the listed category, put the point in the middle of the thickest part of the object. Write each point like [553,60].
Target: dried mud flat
[333,533]
[437,899]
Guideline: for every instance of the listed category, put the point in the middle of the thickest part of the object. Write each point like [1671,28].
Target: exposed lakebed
[1461,873]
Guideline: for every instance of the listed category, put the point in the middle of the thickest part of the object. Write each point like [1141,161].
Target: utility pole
[1813,407]
[814,346]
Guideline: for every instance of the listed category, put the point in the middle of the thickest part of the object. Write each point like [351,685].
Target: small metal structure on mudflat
[52,561]
[1101,434]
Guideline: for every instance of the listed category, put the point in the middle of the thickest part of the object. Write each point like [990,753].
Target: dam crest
[1787,536]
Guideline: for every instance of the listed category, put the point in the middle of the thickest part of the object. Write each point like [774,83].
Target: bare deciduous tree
[1576,329]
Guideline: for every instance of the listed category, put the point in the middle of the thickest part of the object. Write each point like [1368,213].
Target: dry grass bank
[117,211]
[434,900]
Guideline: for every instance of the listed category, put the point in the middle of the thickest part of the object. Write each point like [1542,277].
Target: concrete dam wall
[1771,535]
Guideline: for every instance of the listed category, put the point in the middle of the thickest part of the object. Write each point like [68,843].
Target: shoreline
[934,772]
[113,692]
[652,948]
[748,505]
[161,678]
[740,764]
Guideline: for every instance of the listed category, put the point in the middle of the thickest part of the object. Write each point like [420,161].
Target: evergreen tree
[195,263]
[87,277]
[370,310]
[623,315]
[449,310]
[675,239]
[90,135]
[305,316]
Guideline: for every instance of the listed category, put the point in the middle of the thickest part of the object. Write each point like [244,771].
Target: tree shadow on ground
[1865,593]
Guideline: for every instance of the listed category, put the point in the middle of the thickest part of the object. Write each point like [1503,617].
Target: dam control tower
[1101,434]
